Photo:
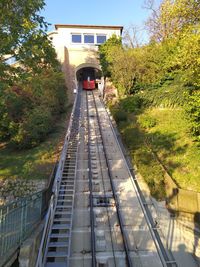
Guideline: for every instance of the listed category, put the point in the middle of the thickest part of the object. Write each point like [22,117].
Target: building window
[101,39]
[89,39]
[76,38]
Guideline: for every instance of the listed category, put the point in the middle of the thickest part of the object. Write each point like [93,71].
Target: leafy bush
[131,104]
[120,115]
[35,127]
[49,90]
[193,110]
[165,96]
[28,111]
[147,122]
[14,103]
[154,178]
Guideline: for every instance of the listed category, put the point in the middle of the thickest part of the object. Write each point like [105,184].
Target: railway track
[114,195]
[96,217]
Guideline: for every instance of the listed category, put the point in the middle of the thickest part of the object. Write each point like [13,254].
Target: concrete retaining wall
[29,248]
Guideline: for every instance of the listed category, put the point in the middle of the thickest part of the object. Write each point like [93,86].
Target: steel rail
[93,243]
[107,210]
[125,242]
[164,257]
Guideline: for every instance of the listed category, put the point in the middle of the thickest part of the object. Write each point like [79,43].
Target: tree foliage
[172,18]
[32,93]
[193,111]
[173,51]
[23,36]
[28,110]
[106,52]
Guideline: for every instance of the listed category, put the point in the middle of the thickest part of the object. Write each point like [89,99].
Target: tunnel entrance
[88,77]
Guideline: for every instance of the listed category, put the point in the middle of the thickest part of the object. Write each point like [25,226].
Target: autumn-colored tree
[172,18]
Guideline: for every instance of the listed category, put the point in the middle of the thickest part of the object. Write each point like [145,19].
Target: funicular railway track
[98,132]
[89,141]
[97,219]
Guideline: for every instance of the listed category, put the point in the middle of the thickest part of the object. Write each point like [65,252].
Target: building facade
[77,47]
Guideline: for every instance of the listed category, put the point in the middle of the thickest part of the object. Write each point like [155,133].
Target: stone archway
[88,65]
[80,69]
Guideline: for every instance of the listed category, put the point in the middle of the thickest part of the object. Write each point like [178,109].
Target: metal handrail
[48,219]
[17,221]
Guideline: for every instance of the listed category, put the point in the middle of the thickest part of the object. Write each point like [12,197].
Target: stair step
[63,212]
[63,206]
[62,195]
[67,183]
[58,244]
[57,254]
[68,191]
[56,264]
[61,226]
[58,235]
[62,220]
[67,187]
[65,201]
[67,180]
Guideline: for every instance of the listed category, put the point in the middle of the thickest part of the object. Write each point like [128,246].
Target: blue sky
[95,12]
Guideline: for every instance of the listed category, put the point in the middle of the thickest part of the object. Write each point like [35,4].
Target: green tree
[33,92]
[114,43]
[124,70]
[188,56]
[193,111]
[28,111]
[22,34]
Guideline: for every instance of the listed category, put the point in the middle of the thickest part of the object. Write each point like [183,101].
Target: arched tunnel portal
[88,72]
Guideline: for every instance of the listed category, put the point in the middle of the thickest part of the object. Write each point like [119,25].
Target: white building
[77,46]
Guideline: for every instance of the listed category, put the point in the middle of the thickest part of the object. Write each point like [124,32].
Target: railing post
[21,223]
